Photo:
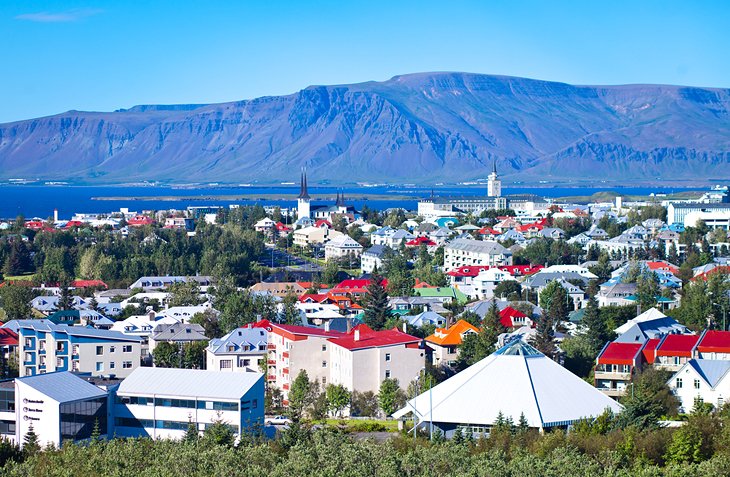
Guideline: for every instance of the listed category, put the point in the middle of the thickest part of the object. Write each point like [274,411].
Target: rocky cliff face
[428,127]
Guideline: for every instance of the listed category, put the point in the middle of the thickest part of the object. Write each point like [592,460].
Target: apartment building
[46,347]
[240,350]
[467,252]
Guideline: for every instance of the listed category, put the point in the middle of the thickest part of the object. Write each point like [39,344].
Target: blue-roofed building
[240,350]
[426,318]
[706,379]
[648,325]
[45,347]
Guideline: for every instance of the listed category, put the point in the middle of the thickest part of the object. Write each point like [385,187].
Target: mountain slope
[424,127]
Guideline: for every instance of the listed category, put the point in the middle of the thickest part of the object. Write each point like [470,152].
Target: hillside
[426,127]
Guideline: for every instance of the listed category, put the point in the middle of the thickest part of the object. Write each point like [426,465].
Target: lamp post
[722,307]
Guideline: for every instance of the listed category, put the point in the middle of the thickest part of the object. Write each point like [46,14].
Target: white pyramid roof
[514,380]
[648,315]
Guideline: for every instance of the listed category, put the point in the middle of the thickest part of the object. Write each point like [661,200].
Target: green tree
[364,404]
[290,313]
[338,397]
[219,433]
[544,339]
[208,319]
[647,400]
[18,260]
[375,302]
[15,300]
[185,293]
[647,289]
[300,396]
[597,333]
[554,300]
[390,396]
[192,354]
[65,301]
[191,434]
[167,355]
[31,445]
[508,289]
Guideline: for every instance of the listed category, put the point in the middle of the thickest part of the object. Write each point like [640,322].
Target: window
[42,344]
[324,347]
[126,364]
[75,365]
[59,362]
[697,383]
[29,342]
[100,366]
[112,364]
[679,383]
[387,356]
[324,381]
[112,349]
[324,364]
[60,345]
[76,349]
[127,348]
[387,373]
[226,364]
[99,350]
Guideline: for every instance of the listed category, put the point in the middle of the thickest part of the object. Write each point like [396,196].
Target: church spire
[494,167]
[303,192]
[340,199]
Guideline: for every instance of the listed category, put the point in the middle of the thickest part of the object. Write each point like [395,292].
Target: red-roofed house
[675,350]
[73,223]
[706,275]
[361,359]
[418,241]
[8,343]
[296,348]
[512,318]
[713,345]
[140,220]
[662,265]
[354,286]
[649,350]
[615,365]
[465,275]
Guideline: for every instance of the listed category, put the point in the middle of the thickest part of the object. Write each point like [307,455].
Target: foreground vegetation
[699,449]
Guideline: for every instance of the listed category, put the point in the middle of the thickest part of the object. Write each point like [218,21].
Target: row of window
[160,424]
[112,349]
[184,403]
[679,383]
[112,365]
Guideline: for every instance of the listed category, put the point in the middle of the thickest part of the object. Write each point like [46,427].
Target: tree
[492,327]
[290,313]
[192,354]
[15,300]
[647,289]
[553,299]
[395,269]
[390,397]
[185,293]
[208,319]
[18,261]
[364,404]
[597,333]
[647,400]
[509,289]
[219,433]
[299,396]
[191,434]
[375,302]
[471,317]
[167,355]
[65,301]
[338,397]
[544,339]
[31,446]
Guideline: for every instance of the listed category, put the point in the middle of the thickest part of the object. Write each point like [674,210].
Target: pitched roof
[478,246]
[649,349]
[188,383]
[529,382]
[368,338]
[63,386]
[295,329]
[508,314]
[619,353]
[452,336]
[8,337]
[714,341]
[677,345]
[711,370]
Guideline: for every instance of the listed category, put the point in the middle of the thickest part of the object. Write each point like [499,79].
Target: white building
[706,379]
[487,280]
[60,407]
[240,350]
[466,252]
[162,402]
[494,185]
[342,246]
[371,258]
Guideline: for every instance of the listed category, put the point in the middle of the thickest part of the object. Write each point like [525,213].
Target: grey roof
[711,370]
[478,246]
[376,251]
[401,234]
[426,318]
[63,386]
[81,331]
[481,307]
[189,383]
[179,332]
[240,340]
[541,279]
[383,231]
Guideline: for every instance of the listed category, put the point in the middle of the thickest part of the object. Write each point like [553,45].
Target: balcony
[615,376]
[285,354]
[271,362]
[285,387]
[285,370]
[271,346]
[613,392]
[271,378]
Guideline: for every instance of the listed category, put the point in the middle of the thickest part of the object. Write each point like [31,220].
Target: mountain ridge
[420,127]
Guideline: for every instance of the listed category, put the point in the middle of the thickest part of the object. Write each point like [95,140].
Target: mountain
[425,127]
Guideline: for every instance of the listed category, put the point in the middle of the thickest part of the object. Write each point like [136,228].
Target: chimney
[258,318]
[357,335]
[349,325]
[327,326]
[151,315]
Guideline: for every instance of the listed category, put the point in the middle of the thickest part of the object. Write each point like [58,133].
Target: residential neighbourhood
[462,295]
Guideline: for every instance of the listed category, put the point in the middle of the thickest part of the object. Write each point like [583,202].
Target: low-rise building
[706,379]
[243,349]
[466,252]
[615,365]
[445,342]
[176,333]
[162,403]
[372,258]
[342,246]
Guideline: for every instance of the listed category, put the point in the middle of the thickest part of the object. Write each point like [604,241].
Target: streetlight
[722,307]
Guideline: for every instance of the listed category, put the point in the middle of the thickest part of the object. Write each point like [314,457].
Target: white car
[277,421]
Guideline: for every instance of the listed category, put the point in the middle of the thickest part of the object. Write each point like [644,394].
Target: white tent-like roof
[649,315]
[514,380]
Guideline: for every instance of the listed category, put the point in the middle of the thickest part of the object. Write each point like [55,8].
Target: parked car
[277,421]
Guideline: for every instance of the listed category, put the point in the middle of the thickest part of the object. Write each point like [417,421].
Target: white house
[240,350]
[466,252]
[342,246]
[701,378]
[487,280]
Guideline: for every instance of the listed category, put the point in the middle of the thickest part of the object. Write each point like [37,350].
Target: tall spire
[494,167]
[303,192]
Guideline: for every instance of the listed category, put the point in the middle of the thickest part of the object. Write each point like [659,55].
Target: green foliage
[509,289]
[166,355]
[647,289]
[579,355]
[185,293]
[15,300]
[364,404]
[544,339]
[338,397]
[554,300]
[377,310]
[300,396]
[390,397]
[208,319]
[31,445]
[219,433]
[597,333]
[647,400]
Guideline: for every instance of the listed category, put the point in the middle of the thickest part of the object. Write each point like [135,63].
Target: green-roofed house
[445,294]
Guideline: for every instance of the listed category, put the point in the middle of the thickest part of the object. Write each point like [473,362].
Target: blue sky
[105,55]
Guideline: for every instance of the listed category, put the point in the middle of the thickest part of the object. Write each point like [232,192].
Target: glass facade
[78,418]
[7,400]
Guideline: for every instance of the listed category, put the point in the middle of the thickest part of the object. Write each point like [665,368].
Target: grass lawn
[27,277]
[365,425]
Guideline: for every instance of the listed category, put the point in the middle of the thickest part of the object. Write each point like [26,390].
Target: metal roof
[62,386]
[190,383]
